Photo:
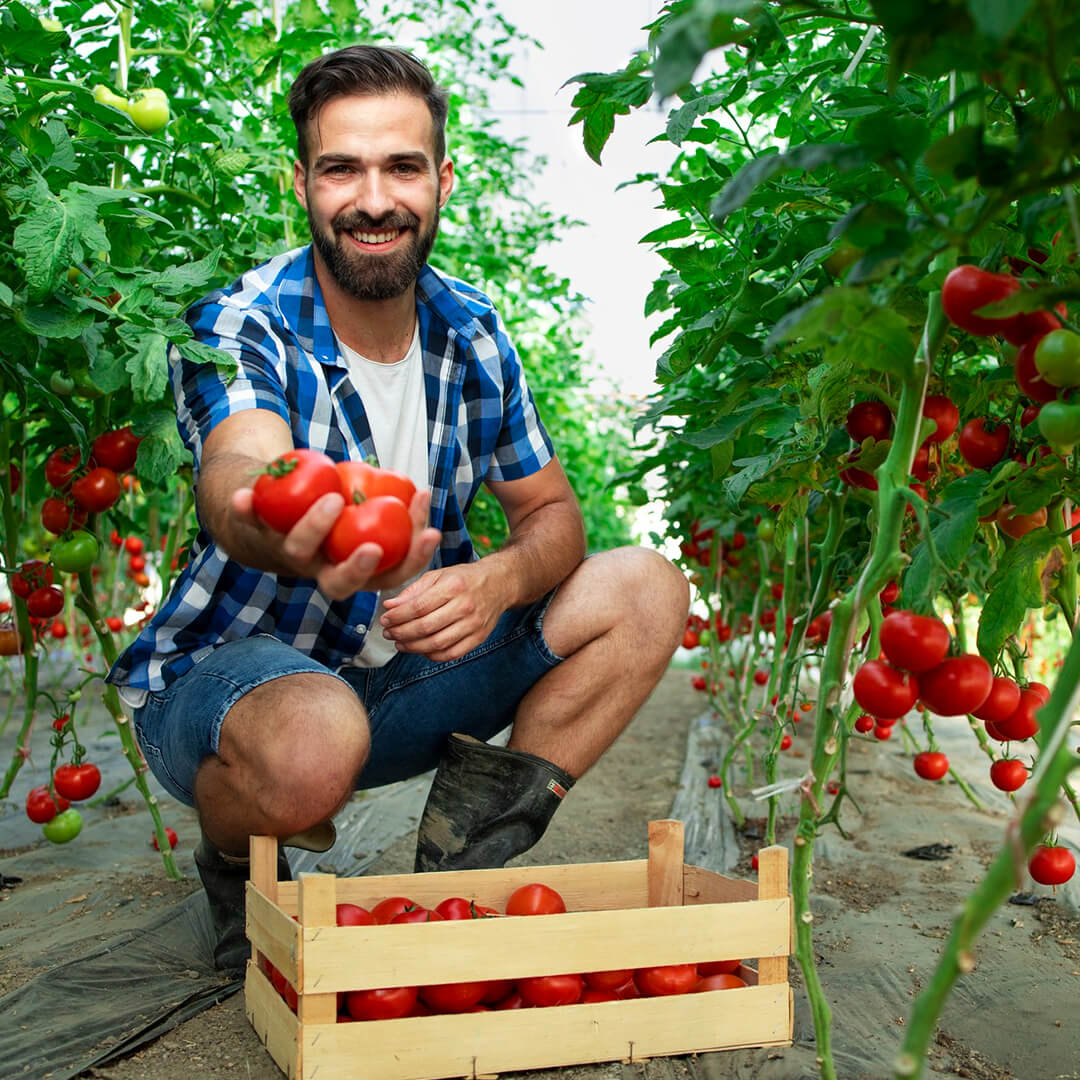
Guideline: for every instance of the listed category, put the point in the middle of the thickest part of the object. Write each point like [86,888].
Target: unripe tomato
[1057,358]
[64,827]
[1059,425]
[76,553]
[149,110]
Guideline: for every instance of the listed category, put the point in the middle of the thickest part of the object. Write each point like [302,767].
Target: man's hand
[297,552]
[446,612]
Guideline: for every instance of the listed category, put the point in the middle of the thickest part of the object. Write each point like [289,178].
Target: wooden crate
[619,915]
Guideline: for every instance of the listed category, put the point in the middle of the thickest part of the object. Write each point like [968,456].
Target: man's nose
[373,196]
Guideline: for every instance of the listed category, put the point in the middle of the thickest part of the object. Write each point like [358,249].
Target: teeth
[376,238]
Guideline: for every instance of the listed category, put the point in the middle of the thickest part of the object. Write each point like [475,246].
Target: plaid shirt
[482,425]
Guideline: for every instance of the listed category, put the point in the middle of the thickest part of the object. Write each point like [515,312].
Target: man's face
[373,191]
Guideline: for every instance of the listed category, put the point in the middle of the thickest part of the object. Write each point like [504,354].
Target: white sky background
[602,258]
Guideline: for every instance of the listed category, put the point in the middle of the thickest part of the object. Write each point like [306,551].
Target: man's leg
[616,621]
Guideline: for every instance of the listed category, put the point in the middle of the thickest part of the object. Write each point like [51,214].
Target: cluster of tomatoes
[376,507]
[49,805]
[391,1003]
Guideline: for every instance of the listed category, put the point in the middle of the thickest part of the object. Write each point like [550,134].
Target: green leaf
[56,321]
[147,364]
[686,38]
[45,240]
[161,453]
[720,456]
[198,352]
[998,18]
[188,277]
[753,469]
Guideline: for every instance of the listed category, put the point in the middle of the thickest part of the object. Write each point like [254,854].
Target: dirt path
[880,921]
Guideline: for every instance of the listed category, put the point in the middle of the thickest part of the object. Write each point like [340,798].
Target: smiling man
[271,683]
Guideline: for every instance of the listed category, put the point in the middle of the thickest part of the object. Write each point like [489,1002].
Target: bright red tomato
[535,899]
[513,1000]
[967,289]
[60,466]
[883,691]
[1051,865]
[453,997]
[914,642]
[32,575]
[718,982]
[386,1003]
[931,765]
[42,807]
[1030,326]
[57,516]
[882,731]
[1023,723]
[367,480]
[1000,703]
[542,991]
[170,836]
[1008,774]
[416,915]
[957,685]
[354,915]
[719,967]
[382,520]
[1017,525]
[385,910]
[45,602]
[864,724]
[608,980]
[944,413]
[1027,374]
[286,489]
[595,997]
[1041,689]
[869,420]
[117,450]
[97,490]
[77,782]
[983,442]
[666,979]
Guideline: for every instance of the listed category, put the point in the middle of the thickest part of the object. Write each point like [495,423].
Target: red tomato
[859,478]
[286,489]
[453,997]
[77,782]
[595,997]
[14,477]
[386,1003]
[1000,703]
[914,642]
[944,413]
[719,967]
[542,991]
[385,910]
[367,480]
[41,807]
[1029,415]
[920,465]
[32,575]
[983,442]
[1051,865]
[97,490]
[883,691]
[889,594]
[535,899]
[45,602]
[354,915]
[690,639]
[666,979]
[117,449]
[416,915]
[1039,688]
[133,545]
[882,731]
[761,677]
[931,765]
[1027,375]
[60,466]
[1008,774]
[785,742]
[57,516]
[114,623]
[869,420]
[513,1000]
[957,685]
[1017,525]
[738,540]
[1030,325]
[967,289]
[170,835]
[382,520]
[136,564]
[1022,724]
[720,981]
[607,980]
[698,682]
[864,724]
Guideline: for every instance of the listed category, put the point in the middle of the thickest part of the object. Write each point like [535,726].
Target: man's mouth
[383,237]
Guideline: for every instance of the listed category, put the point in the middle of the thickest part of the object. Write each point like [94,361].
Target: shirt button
[361,629]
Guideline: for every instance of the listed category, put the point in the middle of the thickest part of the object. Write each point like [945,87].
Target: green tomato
[60,384]
[150,110]
[705,637]
[104,96]
[76,553]
[1059,424]
[64,827]
[1057,358]
[766,530]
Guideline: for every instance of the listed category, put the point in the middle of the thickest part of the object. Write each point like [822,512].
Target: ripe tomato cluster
[49,805]
[535,898]
[376,507]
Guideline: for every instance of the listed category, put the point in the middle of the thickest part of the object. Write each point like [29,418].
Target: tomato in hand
[77,782]
[368,480]
[385,1003]
[76,553]
[288,487]
[914,642]
[116,450]
[1051,865]
[883,691]
[967,289]
[535,899]
[42,807]
[931,765]
[64,827]
[983,443]
[542,991]
[97,490]
[382,520]
[666,979]
[944,413]
[957,685]
[869,420]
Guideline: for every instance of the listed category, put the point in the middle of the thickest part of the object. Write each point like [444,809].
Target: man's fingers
[303,540]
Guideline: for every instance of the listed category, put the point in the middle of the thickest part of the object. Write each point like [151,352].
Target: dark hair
[364,69]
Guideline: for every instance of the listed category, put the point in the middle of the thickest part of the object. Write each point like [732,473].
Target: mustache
[357,222]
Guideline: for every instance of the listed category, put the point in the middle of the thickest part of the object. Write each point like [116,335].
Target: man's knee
[651,589]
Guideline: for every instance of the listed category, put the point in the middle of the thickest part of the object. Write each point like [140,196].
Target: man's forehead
[390,117]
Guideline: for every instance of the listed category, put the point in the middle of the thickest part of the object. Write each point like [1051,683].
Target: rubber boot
[224,878]
[486,805]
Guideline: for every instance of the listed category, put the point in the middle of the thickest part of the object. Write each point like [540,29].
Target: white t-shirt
[396,410]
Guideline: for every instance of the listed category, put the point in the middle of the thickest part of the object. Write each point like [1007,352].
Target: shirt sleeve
[206,394]
[523,446]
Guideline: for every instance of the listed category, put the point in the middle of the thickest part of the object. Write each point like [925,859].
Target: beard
[375,277]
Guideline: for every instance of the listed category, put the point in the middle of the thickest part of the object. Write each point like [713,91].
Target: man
[271,684]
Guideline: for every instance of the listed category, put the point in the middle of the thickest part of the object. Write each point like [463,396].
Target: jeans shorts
[412,703]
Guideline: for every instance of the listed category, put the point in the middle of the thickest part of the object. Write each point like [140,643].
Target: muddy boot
[486,805]
[225,877]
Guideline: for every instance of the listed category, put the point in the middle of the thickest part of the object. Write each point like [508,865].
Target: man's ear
[299,183]
[446,181]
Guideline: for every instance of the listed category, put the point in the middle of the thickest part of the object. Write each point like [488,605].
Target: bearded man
[271,683]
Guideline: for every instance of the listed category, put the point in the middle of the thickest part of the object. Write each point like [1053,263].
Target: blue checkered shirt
[482,425]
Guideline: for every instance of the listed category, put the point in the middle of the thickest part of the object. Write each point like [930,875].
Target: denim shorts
[412,703]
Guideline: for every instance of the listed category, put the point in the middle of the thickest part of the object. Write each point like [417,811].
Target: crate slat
[272,1020]
[272,932]
[773,883]
[702,886]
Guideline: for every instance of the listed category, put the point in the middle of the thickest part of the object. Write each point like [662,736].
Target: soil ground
[880,917]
